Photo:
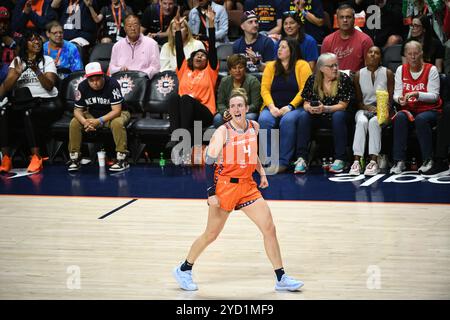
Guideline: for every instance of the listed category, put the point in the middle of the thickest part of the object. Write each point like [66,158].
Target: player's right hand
[213,201]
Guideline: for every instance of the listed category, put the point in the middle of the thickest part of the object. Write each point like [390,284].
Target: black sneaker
[75,162]
[438,169]
[121,163]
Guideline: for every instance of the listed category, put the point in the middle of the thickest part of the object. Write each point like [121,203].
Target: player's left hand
[264,183]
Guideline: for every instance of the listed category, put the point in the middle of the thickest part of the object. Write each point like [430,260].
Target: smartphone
[314,103]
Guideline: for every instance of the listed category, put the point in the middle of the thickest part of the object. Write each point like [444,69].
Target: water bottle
[162,161]
[362,162]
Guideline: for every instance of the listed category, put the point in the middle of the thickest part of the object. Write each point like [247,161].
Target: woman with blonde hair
[327,94]
[168,54]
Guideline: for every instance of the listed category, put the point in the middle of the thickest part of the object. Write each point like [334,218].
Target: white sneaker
[288,284]
[121,163]
[184,279]
[372,168]
[398,168]
[355,169]
[426,165]
[74,163]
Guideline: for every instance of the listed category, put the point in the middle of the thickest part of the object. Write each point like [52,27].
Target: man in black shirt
[98,103]
[156,19]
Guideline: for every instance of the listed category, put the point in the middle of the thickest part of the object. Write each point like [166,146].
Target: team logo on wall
[76,92]
[126,84]
[165,85]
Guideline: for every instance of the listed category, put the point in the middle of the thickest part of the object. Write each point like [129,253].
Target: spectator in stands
[293,28]
[311,14]
[327,94]
[29,14]
[156,20]
[434,9]
[269,14]
[77,21]
[6,41]
[238,78]
[168,57]
[348,44]
[34,74]
[64,53]
[417,86]
[433,51]
[281,86]
[197,21]
[197,78]
[257,48]
[391,29]
[113,17]
[367,81]
[136,52]
[99,104]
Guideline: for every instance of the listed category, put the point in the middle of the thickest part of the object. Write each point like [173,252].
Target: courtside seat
[102,53]
[392,57]
[223,52]
[155,122]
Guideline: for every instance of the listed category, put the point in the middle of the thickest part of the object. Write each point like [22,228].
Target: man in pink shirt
[135,52]
[348,44]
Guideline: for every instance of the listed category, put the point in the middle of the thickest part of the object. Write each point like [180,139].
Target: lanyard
[72,7]
[57,55]
[118,24]
[160,19]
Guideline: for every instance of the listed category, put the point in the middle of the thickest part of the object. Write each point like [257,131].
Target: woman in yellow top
[281,87]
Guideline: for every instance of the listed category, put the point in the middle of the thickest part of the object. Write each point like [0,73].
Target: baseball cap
[246,15]
[4,13]
[92,69]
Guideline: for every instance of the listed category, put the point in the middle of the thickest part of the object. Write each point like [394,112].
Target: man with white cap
[99,103]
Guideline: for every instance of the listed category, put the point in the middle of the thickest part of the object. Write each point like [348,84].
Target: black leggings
[35,121]
[188,110]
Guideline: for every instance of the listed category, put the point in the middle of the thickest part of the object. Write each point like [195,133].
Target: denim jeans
[424,122]
[338,123]
[287,124]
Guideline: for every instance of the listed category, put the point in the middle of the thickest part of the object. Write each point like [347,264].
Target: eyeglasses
[331,66]
[35,39]
[290,13]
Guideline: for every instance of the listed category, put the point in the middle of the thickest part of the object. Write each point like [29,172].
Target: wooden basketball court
[58,248]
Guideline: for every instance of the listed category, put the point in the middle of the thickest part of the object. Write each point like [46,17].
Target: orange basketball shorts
[234,193]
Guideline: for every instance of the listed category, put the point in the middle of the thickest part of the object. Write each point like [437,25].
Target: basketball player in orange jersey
[233,148]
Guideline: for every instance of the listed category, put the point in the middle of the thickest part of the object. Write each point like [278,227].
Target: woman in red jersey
[233,150]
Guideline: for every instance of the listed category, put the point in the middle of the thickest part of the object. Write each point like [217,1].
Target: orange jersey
[240,152]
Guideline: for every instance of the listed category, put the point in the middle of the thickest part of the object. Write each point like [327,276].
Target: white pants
[359,141]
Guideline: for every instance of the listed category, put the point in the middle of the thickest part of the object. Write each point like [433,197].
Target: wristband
[290,106]
[102,122]
[304,13]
